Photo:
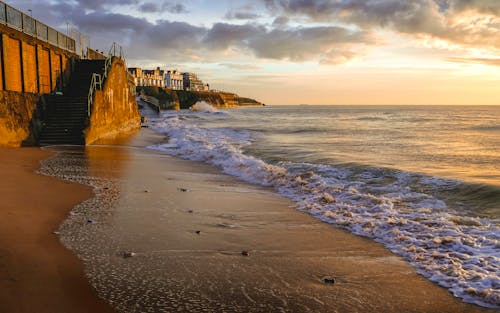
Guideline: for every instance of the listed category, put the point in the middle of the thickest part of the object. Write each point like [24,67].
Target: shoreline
[369,277]
[37,273]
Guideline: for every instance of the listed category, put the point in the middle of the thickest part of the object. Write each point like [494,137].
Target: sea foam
[461,253]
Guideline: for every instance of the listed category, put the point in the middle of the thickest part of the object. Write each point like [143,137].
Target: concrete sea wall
[17,122]
[29,67]
[114,109]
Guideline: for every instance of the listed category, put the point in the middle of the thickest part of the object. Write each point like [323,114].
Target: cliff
[168,99]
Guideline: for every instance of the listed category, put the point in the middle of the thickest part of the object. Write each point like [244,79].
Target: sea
[422,180]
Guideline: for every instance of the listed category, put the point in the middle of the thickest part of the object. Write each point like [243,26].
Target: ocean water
[424,181]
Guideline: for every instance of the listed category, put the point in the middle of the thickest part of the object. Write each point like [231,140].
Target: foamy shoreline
[132,186]
[456,251]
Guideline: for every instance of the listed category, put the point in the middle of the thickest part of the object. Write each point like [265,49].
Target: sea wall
[31,65]
[17,122]
[114,110]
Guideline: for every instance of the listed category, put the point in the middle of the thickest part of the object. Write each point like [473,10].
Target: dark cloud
[441,19]
[185,41]
[239,15]
[150,7]
[154,7]
[98,4]
[109,22]
[223,35]
[482,6]
[281,20]
[302,44]
[175,8]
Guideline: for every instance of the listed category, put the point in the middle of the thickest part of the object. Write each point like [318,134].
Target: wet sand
[37,274]
[187,226]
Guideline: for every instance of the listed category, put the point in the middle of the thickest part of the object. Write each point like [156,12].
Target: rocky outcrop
[168,99]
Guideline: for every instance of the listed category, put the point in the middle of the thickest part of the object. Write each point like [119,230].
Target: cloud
[186,42]
[486,61]
[482,6]
[281,20]
[243,67]
[154,7]
[303,44]
[99,4]
[239,15]
[465,22]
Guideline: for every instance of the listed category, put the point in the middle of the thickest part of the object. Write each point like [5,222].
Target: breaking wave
[396,208]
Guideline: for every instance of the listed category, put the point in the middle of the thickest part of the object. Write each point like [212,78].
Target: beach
[164,234]
[37,274]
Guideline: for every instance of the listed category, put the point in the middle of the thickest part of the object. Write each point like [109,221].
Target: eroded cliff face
[114,110]
[16,115]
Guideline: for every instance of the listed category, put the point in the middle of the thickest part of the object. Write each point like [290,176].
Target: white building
[174,80]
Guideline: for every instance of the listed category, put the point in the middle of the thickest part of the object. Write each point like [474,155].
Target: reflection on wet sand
[165,235]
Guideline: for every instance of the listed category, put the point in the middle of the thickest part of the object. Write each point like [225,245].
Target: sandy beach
[186,226]
[37,274]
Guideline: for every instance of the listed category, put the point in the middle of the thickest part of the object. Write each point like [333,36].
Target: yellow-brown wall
[30,76]
[114,108]
[12,63]
[31,65]
[43,70]
[16,113]
[28,67]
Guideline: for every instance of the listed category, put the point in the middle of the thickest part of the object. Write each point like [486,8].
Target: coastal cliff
[168,99]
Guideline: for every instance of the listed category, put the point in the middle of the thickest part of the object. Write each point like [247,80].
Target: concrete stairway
[66,115]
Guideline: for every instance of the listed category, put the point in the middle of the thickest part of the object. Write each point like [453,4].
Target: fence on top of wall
[25,23]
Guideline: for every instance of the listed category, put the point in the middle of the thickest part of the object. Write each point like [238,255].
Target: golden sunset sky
[306,51]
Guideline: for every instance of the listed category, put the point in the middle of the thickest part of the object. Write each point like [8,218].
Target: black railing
[22,22]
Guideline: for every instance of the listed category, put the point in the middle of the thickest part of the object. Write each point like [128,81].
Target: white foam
[457,252]
[203,106]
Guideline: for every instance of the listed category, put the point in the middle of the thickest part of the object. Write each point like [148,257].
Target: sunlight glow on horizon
[314,52]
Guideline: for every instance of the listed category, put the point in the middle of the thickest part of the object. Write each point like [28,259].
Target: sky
[304,51]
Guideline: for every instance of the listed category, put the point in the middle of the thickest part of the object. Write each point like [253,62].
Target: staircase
[66,115]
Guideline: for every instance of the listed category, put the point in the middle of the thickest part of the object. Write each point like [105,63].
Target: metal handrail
[95,84]
[97,80]
[115,51]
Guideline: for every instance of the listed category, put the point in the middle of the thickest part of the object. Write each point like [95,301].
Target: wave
[461,253]
[203,106]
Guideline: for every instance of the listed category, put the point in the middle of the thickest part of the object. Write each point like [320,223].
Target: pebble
[245,253]
[129,254]
[328,280]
